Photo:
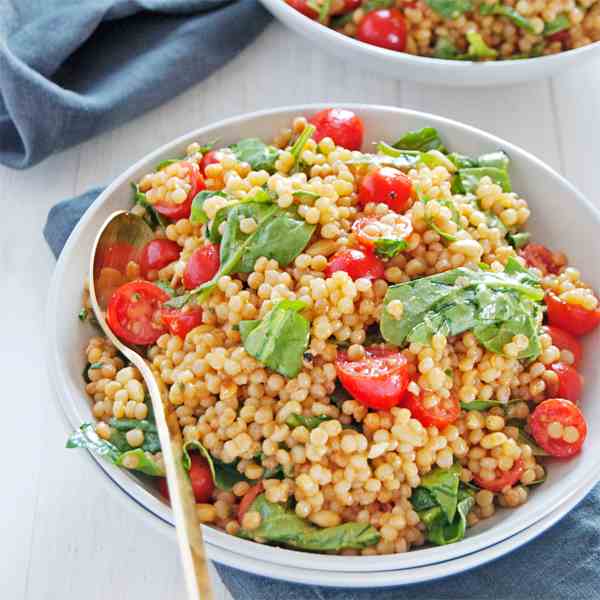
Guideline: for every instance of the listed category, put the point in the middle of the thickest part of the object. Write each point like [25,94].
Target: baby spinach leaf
[198,216]
[422,499]
[450,9]
[256,153]
[122,426]
[525,438]
[480,405]
[510,13]
[165,163]
[471,177]
[442,532]
[310,422]
[152,217]
[498,159]
[280,525]
[310,129]
[87,438]
[279,340]
[478,48]
[559,24]
[518,240]
[389,157]
[421,140]
[445,48]
[442,484]
[388,248]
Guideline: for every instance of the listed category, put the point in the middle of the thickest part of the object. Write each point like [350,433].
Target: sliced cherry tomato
[200,477]
[385,28]
[341,125]
[503,478]
[571,317]
[182,211]
[202,266]
[181,321]
[387,185]
[157,254]
[570,382]
[370,229]
[248,499]
[115,256]
[303,7]
[541,258]
[552,416]
[445,412]
[565,341]
[212,157]
[347,6]
[133,312]
[379,380]
[357,263]
[564,37]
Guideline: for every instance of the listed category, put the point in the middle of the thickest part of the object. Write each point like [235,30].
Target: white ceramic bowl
[399,65]
[561,216]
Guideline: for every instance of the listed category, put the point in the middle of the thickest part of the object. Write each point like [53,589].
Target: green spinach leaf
[309,130]
[421,140]
[442,484]
[198,216]
[518,240]
[471,177]
[310,422]
[445,48]
[450,9]
[559,24]
[478,49]
[388,248]
[256,153]
[442,532]
[510,13]
[152,217]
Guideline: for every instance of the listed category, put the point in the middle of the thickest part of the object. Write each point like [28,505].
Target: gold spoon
[122,231]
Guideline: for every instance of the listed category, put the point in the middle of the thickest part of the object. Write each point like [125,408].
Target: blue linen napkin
[70,69]
[561,564]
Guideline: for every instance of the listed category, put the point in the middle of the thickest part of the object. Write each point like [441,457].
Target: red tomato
[564,37]
[200,476]
[541,258]
[158,254]
[378,380]
[570,317]
[303,7]
[570,382]
[248,499]
[116,256]
[181,321]
[565,341]
[202,266]
[342,126]
[503,478]
[385,28]
[357,263]
[210,158]
[445,412]
[133,312]
[387,185]
[348,6]
[182,211]
[369,229]
[558,410]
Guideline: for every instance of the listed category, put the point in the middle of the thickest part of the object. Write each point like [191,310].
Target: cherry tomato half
[385,28]
[346,7]
[503,478]
[181,321]
[133,312]
[369,229]
[200,477]
[565,341]
[387,185]
[115,256]
[303,7]
[570,317]
[538,256]
[248,499]
[212,157]
[559,427]
[202,266]
[157,254]
[446,411]
[357,263]
[342,126]
[182,211]
[570,382]
[379,380]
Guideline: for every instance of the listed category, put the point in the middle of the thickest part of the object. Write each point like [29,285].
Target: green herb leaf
[445,48]
[442,532]
[388,248]
[481,405]
[510,13]
[310,422]
[471,177]
[165,163]
[197,215]
[82,315]
[256,153]
[442,484]
[450,9]
[279,340]
[134,459]
[559,24]
[370,5]
[280,525]
[478,48]
[309,130]
[120,426]
[421,140]
[153,218]
[518,240]
[388,157]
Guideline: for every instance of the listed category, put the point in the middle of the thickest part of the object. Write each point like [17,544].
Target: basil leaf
[450,9]
[310,422]
[121,426]
[421,140]
[442,532]
[559,24]
[388,248]
[279,340]
[442,484]
[133,459]
[510,13]
[478,48]
[481,405]
[197,215]
[280,525]
[518,240]
[421,499]
[256,153]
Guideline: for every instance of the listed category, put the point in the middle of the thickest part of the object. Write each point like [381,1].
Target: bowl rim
[376,52]
[128,482]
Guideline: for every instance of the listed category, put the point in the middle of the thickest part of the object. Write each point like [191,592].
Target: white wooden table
[65,532]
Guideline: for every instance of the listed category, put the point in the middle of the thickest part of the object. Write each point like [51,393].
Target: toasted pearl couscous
[363,346]
[462,29]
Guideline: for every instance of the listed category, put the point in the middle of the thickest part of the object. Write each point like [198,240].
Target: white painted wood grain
[66,532]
